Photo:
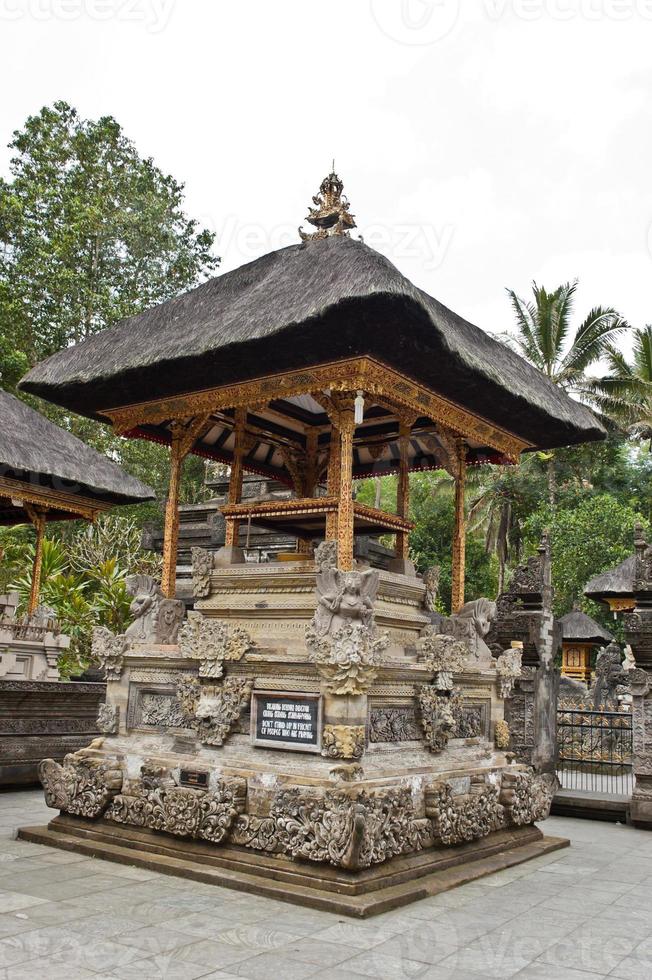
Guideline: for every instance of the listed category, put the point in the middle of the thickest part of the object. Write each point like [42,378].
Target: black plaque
[193,777]
[286,721]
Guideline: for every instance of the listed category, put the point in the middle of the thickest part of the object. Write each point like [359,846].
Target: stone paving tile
[577,914]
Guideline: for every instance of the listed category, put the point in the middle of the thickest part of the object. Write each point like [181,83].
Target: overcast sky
[483,143]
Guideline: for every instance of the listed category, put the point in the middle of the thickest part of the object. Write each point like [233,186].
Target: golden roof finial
[330,216]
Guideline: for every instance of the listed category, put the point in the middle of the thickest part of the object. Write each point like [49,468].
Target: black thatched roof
[577,626]
[301,306]
[38,453]
[618,581]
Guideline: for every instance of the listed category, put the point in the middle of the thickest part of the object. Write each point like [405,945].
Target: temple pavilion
[47,474]
[316,365]
[581,636]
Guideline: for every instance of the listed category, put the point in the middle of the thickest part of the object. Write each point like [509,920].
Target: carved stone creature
[508,667]
[438,716]
[431,578]
[213,710]
[147,596]
[457,818]
[202,566]
[156,802]
[527,797]
[168,621]
[219,708]
[609,675]
[443,655]
[212,641]
[108,650]
[344,598]
[81,786]
[108,716]
[343,741]
[471,624]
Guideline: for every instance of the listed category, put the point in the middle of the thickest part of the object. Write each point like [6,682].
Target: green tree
[589,535]
[545,337]
[90,232]
[625,394]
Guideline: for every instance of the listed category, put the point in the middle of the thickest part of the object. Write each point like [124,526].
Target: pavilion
[580,636]
[47,474]
[316,365]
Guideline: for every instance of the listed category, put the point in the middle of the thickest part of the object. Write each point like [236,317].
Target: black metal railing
[595,751]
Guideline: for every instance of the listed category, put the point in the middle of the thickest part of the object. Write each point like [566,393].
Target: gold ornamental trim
[313,505]
[51,499]
[351,374]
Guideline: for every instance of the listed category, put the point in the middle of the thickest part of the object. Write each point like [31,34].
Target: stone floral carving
[212,641]
[347,828]
[159,710]
[469,721]
[326,555]
[219,708]
[107,651]
[461,817]
[188,691]
[157,803]
[526,796]
[202,566]
[343,741]
[147,596]
[81,786]
[108,716]
[502,734]
[168,621]
[508,667]
[443,655]
[348,659]
[438,716]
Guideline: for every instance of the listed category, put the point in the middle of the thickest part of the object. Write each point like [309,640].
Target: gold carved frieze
[353,374]
[71,503]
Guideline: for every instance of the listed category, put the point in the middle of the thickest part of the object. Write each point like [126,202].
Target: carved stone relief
[343,741]
[108,716]
[393,724]
[202,566]
[457,818]
[211,642]
[80,786]
[108,651]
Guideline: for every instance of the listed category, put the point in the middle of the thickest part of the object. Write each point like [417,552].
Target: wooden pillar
[403,486]
[171,531]
[345,507]
[184,435]
[459,534]
[333,479]
[237,473]
[38,520]
[310,477]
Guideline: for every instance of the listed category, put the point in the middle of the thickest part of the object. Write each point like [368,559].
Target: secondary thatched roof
[577,626]
[38,453]
[301,306]
[618,581]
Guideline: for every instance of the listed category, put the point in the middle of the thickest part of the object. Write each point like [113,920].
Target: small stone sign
[286,721]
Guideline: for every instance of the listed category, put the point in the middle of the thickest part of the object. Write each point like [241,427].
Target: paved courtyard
[580,913]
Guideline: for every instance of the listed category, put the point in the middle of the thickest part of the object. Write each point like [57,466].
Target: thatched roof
[577,626]
[618,581]
[301,306]
[38,453]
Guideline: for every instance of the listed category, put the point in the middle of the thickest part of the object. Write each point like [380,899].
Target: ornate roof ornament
[330,216]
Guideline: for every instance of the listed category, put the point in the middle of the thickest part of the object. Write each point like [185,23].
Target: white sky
[483,143]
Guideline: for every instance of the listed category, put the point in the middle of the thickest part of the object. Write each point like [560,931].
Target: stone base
[640,812]
[229,554]
[360,894]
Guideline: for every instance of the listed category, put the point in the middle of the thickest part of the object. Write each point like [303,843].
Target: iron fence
[595,751]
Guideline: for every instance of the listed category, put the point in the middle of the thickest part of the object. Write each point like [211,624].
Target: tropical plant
[625,393]
[545,337]
[112,538]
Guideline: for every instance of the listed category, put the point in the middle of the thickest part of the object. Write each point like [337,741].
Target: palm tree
[545,338]
[625,394]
